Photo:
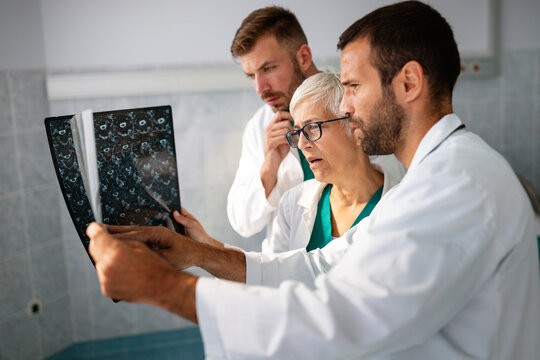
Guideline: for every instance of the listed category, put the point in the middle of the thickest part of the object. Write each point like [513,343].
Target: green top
[321,234]
[308,174]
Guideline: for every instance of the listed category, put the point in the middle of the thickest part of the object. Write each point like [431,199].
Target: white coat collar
[311,192]
[309,201]
[435,136]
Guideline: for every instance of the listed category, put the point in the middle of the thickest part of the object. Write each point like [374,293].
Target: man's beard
[297,78]
[381,133]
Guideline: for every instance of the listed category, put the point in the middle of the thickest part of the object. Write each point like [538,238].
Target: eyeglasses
[311,131]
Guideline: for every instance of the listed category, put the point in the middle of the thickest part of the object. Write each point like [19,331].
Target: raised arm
[266,170]
[248,208]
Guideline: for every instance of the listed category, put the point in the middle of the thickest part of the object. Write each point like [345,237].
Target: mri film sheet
[68,173]
[137,166]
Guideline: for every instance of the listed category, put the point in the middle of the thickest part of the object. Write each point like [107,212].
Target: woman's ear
[303,57]
[411,81]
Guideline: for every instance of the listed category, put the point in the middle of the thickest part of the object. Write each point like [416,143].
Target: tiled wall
[32,262]
[41,256]
[505,111]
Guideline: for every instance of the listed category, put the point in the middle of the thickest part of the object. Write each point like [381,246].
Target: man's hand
[131,271]
[276,148]
[179,250]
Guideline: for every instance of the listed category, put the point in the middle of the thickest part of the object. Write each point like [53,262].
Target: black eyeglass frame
[301,130]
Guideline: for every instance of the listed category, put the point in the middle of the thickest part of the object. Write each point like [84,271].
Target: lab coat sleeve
[248,209]
[405,275]
[271,269]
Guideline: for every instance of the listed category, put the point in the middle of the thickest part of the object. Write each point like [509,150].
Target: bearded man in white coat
[275,55]
[445,267]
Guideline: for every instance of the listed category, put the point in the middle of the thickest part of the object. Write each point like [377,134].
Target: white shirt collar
[435,136]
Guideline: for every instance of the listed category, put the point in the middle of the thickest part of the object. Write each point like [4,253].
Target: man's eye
[268,68]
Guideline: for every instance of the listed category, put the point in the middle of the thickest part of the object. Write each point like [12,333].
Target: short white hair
[323,88]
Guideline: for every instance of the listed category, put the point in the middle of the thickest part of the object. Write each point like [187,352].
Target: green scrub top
[308,174]
[321,234]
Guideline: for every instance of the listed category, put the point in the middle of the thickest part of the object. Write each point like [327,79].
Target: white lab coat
[297,209]
[248,209]
[445,267]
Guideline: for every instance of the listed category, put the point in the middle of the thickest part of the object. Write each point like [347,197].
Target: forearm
[177,295]
[224,263]
[215,243]
[268,176]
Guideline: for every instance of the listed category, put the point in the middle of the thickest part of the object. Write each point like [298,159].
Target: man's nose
[261,85]
[345,106]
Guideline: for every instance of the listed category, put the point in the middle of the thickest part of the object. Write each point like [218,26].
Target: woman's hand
[194,229]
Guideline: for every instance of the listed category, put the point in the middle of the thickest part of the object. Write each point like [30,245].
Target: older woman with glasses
[347,184]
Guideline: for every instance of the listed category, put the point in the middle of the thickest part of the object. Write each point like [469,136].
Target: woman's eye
[312,128]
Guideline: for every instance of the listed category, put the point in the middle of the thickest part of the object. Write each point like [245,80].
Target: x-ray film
[137,168]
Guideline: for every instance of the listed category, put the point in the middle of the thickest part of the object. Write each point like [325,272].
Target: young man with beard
[275,55]
[445,267]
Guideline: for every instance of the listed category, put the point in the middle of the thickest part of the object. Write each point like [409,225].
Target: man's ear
[303,57]
[410,82]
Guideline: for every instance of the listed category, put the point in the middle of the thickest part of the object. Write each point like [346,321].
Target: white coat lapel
[435,136]
[308,201]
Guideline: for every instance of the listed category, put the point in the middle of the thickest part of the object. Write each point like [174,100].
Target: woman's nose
[303,142]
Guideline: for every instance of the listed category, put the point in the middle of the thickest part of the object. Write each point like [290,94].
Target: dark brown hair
[405,31]
[273,20]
